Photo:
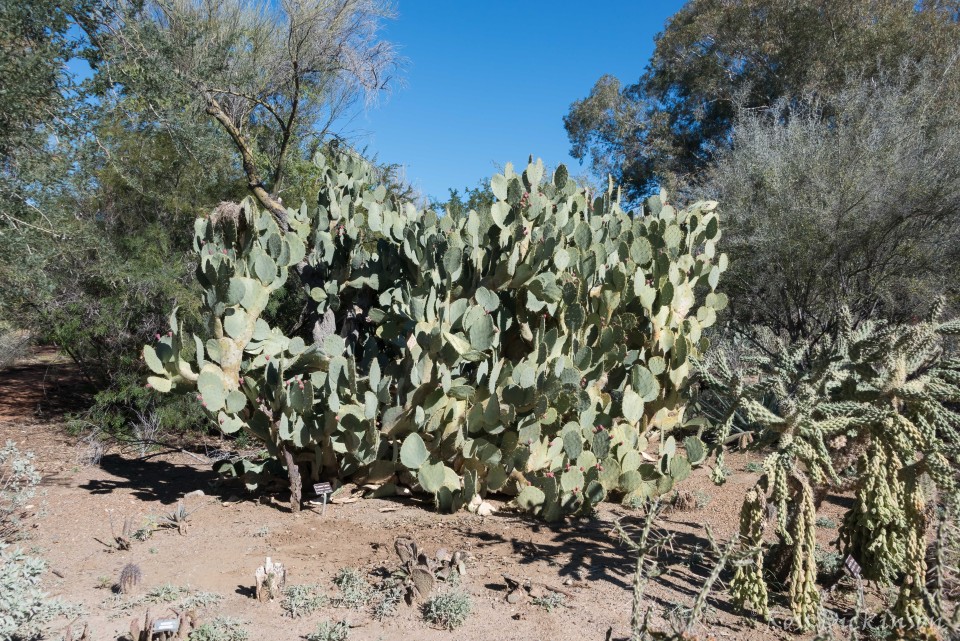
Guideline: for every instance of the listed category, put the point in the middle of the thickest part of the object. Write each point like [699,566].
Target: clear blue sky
[489,81]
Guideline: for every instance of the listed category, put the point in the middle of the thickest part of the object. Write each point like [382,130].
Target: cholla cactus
[878,395]
[532,348]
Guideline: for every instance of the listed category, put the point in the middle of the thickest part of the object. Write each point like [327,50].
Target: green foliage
[14,346]
[220,629]
[330,631]
[459,205]
[549,601]
[388,597]
[829,562]
[18,482]
[37,44]
[795,171]
[301,600]
[532,348]
[355,592]
[166,593]
[880,394]
[24,607]
[447,609]
[715,57]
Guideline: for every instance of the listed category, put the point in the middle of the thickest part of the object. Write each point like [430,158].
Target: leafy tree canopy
[716,57]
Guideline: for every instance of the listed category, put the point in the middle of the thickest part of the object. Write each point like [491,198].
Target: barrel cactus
[540,348]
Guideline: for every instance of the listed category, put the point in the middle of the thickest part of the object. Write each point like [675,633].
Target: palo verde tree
[275,76]
[541,347]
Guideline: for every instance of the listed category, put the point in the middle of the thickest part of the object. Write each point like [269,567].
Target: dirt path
[47,386]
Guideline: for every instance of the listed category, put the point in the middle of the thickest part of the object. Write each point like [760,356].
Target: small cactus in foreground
[130,578]
[270,578]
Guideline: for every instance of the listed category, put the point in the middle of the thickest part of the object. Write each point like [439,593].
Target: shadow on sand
[151,479]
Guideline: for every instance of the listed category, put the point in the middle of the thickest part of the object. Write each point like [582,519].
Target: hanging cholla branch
[748,590]
[804,596]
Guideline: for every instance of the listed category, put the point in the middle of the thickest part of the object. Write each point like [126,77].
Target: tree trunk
[296,484]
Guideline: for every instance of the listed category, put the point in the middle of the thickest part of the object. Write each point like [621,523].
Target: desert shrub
[447,609]
[220,629]
[549,601]
[14,345]
[18,481]
[355,592]
[301,600]
[330,631]
[534,348]
[24,607]
[871,165]
[387,598]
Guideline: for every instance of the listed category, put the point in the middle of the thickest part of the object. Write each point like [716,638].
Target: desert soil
[230,534]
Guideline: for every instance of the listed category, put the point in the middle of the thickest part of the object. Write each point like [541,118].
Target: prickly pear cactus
[879,399]
[540,348]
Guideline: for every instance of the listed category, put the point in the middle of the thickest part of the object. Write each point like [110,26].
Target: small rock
[515,596]
[485,509]
[194,493]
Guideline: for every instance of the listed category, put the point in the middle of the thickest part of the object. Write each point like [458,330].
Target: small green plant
[550,601]
[701,499]
[448,609]
[262,532]
[387,598]
[104,582]
[826,522]
[177,519]
[754,467]
[24,607]
[167,593]
[220,629]
[828,562]
[143,533]
[330,631]
[355,592]
[697,556]
[242,441]
[18,481]
[301,600]
[200,600]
